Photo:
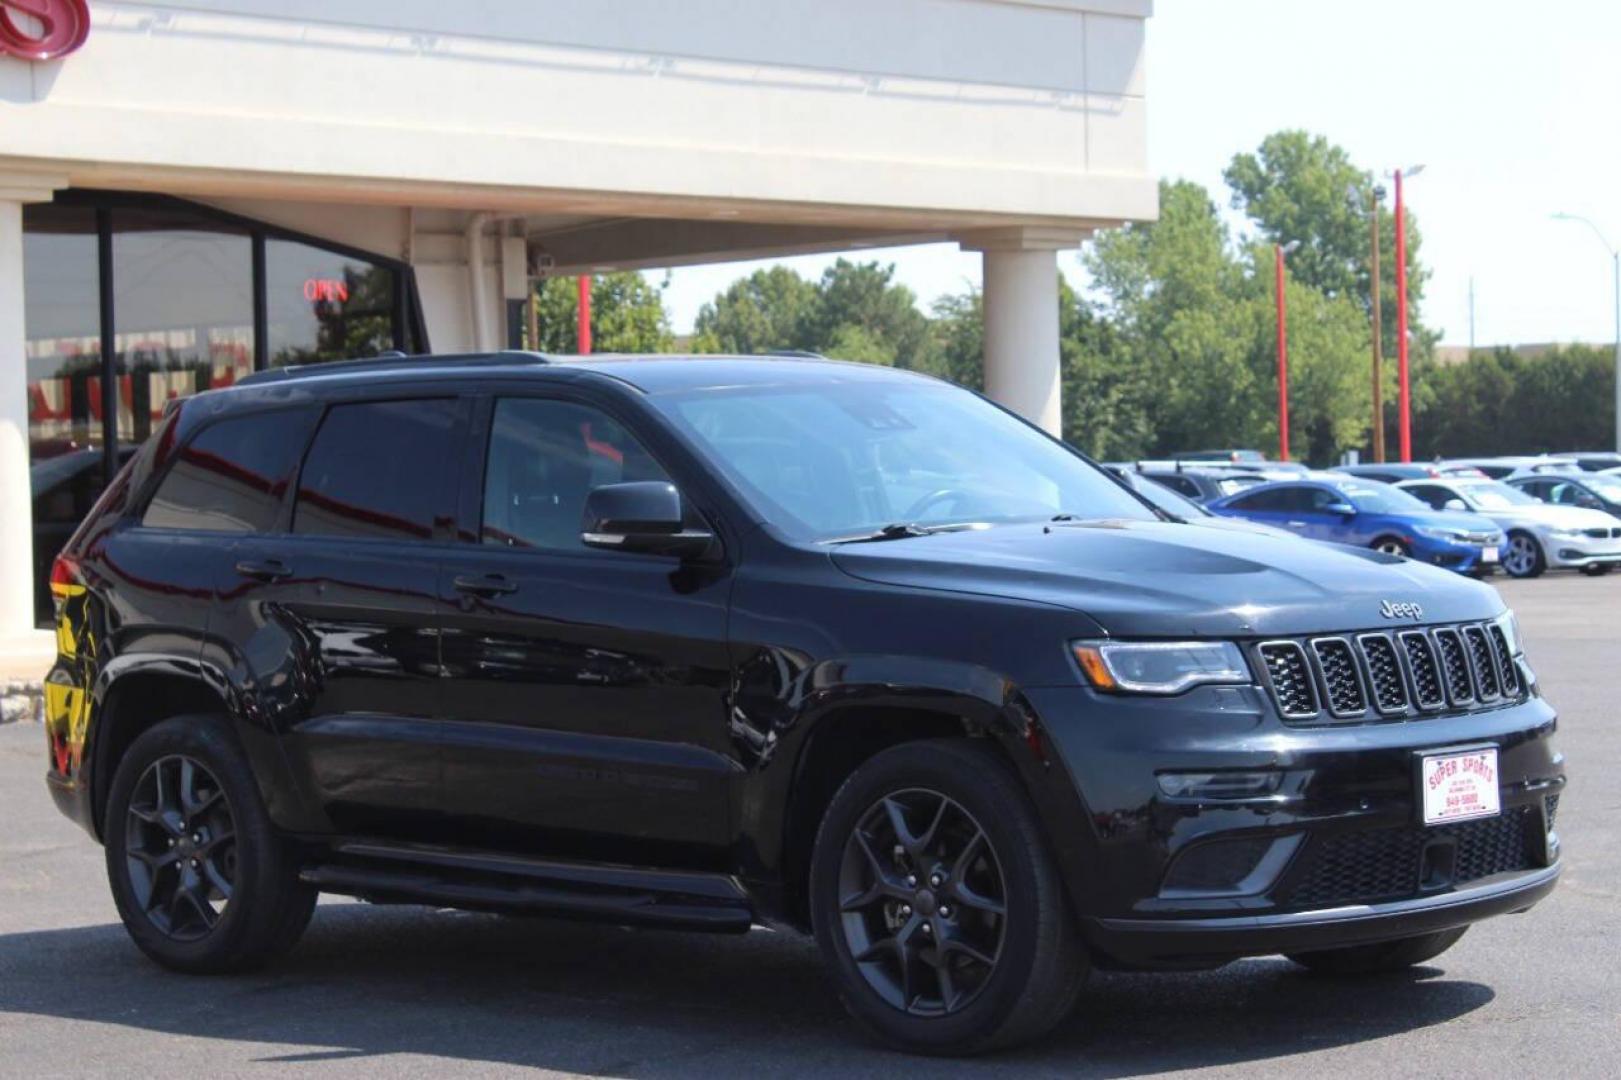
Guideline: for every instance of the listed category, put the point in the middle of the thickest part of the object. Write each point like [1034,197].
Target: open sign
[330,289]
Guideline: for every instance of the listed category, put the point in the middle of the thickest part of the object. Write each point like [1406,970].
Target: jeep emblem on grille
[1392,609]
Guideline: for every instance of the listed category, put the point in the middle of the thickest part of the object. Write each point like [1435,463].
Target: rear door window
[232,476]
[379,470]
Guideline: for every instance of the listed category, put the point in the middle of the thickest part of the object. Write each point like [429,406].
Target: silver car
[1540,536]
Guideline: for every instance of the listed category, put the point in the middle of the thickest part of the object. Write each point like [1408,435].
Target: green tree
[1501,401]
[627,314]
[766,311]
[1298,186]
[859,307]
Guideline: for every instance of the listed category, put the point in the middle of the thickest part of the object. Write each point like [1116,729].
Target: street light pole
[1278,252]
[1405,420]
[1615,265]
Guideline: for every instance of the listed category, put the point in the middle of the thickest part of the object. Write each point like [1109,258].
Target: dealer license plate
[1488,554]
[1457,787]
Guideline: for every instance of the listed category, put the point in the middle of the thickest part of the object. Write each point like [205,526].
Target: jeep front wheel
[937,906]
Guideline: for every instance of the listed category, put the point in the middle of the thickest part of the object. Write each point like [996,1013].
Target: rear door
[330,616]
[586,689]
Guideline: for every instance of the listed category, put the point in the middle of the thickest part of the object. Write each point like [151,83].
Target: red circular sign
[42,29]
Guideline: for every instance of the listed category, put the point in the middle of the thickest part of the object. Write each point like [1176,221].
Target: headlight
[1159,667]
[1439,532]
[1565,534]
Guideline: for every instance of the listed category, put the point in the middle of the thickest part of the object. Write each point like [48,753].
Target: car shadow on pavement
[369,983]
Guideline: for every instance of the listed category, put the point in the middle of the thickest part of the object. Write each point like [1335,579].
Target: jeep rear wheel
[201,879]
[936,904]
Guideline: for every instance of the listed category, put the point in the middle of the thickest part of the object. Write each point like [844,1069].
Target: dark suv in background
[704,643]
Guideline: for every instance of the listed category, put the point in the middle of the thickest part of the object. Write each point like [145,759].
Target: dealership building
[195,190]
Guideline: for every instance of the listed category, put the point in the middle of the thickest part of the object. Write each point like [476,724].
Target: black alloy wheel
[923,902]
[203,881]
[938,907]
[180,847]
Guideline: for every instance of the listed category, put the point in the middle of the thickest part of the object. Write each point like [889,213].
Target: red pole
[584,325]
[1283,361]
[1405,420]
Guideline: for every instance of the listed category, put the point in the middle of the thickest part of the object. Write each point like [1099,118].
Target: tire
[1597,569]
[1392,545]
[958,800]
[1523,556]
[1380,957]
[184,816]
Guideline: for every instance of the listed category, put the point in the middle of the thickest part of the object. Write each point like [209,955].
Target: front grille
[1480,654]
[1290,676]
[1395,864]
[1454,667]
[1384,673]
[1341,683]
[1597,534]
[1505,663]
[1425,670]
[1551,804]
[1384,676]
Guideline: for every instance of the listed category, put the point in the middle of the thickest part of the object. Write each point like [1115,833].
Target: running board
[392,873]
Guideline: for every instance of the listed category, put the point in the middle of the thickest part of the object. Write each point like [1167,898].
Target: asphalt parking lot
[406,992]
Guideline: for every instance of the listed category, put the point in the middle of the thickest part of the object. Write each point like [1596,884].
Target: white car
[1511,468]
[1539,536]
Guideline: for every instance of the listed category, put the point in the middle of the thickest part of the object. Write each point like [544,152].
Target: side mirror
[1343,509]
[645,517]
[1454,504]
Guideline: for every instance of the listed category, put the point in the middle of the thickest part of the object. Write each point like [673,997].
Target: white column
[16,505]
[1021,319]
[16,508]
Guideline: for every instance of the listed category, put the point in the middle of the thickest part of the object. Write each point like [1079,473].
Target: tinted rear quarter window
[379,470]
[232,476]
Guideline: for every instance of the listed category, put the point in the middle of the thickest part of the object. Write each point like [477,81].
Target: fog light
[1241,866]
[1220,785]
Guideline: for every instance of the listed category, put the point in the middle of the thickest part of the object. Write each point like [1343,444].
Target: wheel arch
[131,699]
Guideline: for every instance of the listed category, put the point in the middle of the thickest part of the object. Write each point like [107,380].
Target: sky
[1514,109]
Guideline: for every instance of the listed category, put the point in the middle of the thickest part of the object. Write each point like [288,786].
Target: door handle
[484,584]
[264,569]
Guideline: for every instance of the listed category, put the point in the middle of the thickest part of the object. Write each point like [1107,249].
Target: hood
[1466,520]
[1552,516]
[1163,579]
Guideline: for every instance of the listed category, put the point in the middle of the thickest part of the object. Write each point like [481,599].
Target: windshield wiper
[900,530]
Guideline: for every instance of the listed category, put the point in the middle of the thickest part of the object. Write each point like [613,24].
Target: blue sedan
[1370,514]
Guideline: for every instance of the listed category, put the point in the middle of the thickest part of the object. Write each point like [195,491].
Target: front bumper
[1585,551]
[1340,855]
[1462,557]
[1157,942]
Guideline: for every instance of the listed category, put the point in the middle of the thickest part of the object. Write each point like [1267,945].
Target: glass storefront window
[62,328]
[184,291]
[326,306]
[183,308]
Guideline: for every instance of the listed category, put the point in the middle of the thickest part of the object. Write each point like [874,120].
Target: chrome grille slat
[1385,677]
[1454,667]
[1485,666]
[1342,681]
[1290,676]
[1424,668]
[1392,675]
[1506,669]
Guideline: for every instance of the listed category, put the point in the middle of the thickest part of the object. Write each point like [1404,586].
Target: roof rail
[391,360]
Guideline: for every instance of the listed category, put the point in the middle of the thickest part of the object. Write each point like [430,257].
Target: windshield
[1491,495]
[1380,499]
[1607,488]
[1172,502]
[842,459]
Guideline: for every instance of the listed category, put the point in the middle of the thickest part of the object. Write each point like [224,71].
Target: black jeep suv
[705,643]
